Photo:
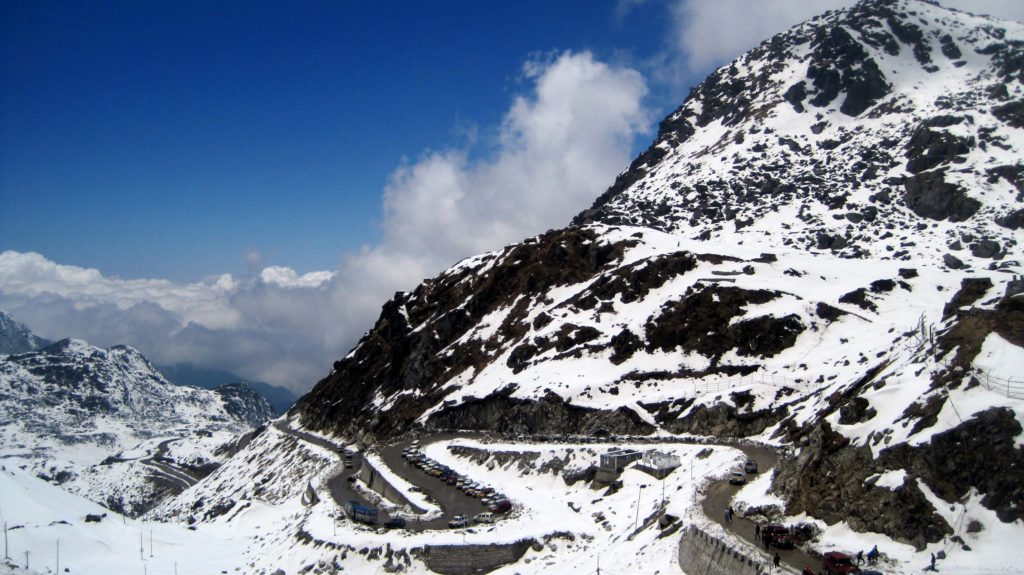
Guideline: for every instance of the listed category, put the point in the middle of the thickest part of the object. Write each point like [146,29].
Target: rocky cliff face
[819,247]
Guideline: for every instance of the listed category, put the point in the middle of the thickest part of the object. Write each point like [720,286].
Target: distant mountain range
[280,398]
[16,337]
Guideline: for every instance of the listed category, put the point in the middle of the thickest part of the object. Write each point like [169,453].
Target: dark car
[750,466]
[778,536]
[836,562]
[395,523]
[500,506]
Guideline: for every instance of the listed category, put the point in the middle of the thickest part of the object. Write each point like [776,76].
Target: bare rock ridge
[821,246]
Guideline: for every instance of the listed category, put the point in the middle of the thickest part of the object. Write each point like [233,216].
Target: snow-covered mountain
[103,422]
[819,249]
[15,337]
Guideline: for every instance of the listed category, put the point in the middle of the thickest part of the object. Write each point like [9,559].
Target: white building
[659,464]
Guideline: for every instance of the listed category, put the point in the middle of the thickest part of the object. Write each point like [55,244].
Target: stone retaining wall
[704,554]
[472,559]
[369,475]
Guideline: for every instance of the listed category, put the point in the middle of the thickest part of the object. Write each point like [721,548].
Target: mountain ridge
[16,337]
[280,398]
[824,235]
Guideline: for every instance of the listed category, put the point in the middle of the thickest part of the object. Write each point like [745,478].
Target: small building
[658,464]
[617,459]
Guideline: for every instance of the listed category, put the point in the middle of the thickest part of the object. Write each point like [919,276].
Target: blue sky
[242,185]
[165,139]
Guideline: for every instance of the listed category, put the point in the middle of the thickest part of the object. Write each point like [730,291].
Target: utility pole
[26,559]
[6,556]
[151,543]
[58,556]
[142,549]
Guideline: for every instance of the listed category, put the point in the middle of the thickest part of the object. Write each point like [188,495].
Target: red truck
[836,562]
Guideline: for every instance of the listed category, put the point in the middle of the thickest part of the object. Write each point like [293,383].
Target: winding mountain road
[177,476]
[338,485]
[452,501]
[719,496]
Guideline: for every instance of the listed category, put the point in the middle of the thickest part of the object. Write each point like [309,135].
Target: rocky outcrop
[930,196]
[702,321]
[981,454]
[827,478]
[549,415]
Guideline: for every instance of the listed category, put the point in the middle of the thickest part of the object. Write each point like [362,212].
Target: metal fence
[771,379]
[1012,388]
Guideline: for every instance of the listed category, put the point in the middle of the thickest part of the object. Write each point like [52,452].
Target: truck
[361,513]
[836,563]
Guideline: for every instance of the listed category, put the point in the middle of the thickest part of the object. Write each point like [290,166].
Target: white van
[485,517]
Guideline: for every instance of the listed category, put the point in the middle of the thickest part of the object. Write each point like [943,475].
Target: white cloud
[556,151]
[287,278]
[712,33]
[558,147]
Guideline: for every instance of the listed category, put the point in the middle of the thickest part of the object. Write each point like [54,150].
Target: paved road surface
[180,477]
[451,500]
[339,487]
[720,493]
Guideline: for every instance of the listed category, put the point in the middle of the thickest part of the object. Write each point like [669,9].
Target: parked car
[485,517]
[500,506]
[452,479]
[458,521]
[737,478]
[395,523]
[750,466]
[776,535]
[836,562]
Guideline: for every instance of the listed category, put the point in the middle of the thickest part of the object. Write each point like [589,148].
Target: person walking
[757,532]
[873,555]
[860,557]
[776,559]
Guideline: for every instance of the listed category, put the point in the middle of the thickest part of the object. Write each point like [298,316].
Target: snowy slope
[93,418]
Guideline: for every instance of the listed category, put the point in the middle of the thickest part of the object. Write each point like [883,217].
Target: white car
[458,521]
